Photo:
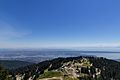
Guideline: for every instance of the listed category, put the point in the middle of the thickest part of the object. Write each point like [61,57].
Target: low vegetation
[50,74]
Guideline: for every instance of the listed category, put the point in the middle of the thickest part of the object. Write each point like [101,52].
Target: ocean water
[106,55]
[55,54]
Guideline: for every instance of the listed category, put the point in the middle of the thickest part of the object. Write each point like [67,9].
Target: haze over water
[57,53]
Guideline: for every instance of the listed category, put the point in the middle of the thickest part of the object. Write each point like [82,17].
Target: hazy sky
[59,23]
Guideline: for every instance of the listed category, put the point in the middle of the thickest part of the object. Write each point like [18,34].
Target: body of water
[54,54]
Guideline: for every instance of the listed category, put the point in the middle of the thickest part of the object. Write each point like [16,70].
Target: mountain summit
[71,68]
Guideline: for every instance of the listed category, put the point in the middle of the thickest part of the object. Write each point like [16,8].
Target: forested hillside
[96,68]
[13,64]
[3,74]
[71,68]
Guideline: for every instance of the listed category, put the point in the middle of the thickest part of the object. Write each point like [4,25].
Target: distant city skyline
[60,24]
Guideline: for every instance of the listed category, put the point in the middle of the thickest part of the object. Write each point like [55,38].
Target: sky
[59,23]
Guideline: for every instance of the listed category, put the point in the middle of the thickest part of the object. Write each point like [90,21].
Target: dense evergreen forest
[3,74]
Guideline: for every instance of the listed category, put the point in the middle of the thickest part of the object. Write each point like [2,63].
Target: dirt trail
[57,78]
